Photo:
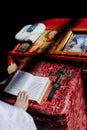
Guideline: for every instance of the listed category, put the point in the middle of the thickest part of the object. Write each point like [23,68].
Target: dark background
[14,15]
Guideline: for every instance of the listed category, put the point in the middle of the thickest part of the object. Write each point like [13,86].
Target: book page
[37,87]
[20,81]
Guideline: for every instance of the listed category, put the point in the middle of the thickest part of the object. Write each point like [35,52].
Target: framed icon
[73,43]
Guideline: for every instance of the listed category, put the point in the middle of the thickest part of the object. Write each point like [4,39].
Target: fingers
[22,100]
[22,95]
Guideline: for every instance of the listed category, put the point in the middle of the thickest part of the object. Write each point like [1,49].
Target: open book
[36,86]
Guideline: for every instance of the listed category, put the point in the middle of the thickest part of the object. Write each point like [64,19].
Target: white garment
[13,118]
[30,32]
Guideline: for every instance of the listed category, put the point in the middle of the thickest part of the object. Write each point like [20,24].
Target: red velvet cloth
[67,107]
[57,23]
[61,23]
[67,110]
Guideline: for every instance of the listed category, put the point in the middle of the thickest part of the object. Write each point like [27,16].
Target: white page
[20,81]
[37,87]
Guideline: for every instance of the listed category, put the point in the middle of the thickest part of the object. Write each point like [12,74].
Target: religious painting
[44,42]
[73,43]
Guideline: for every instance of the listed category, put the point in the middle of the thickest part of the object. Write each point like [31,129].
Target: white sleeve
[13,118]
